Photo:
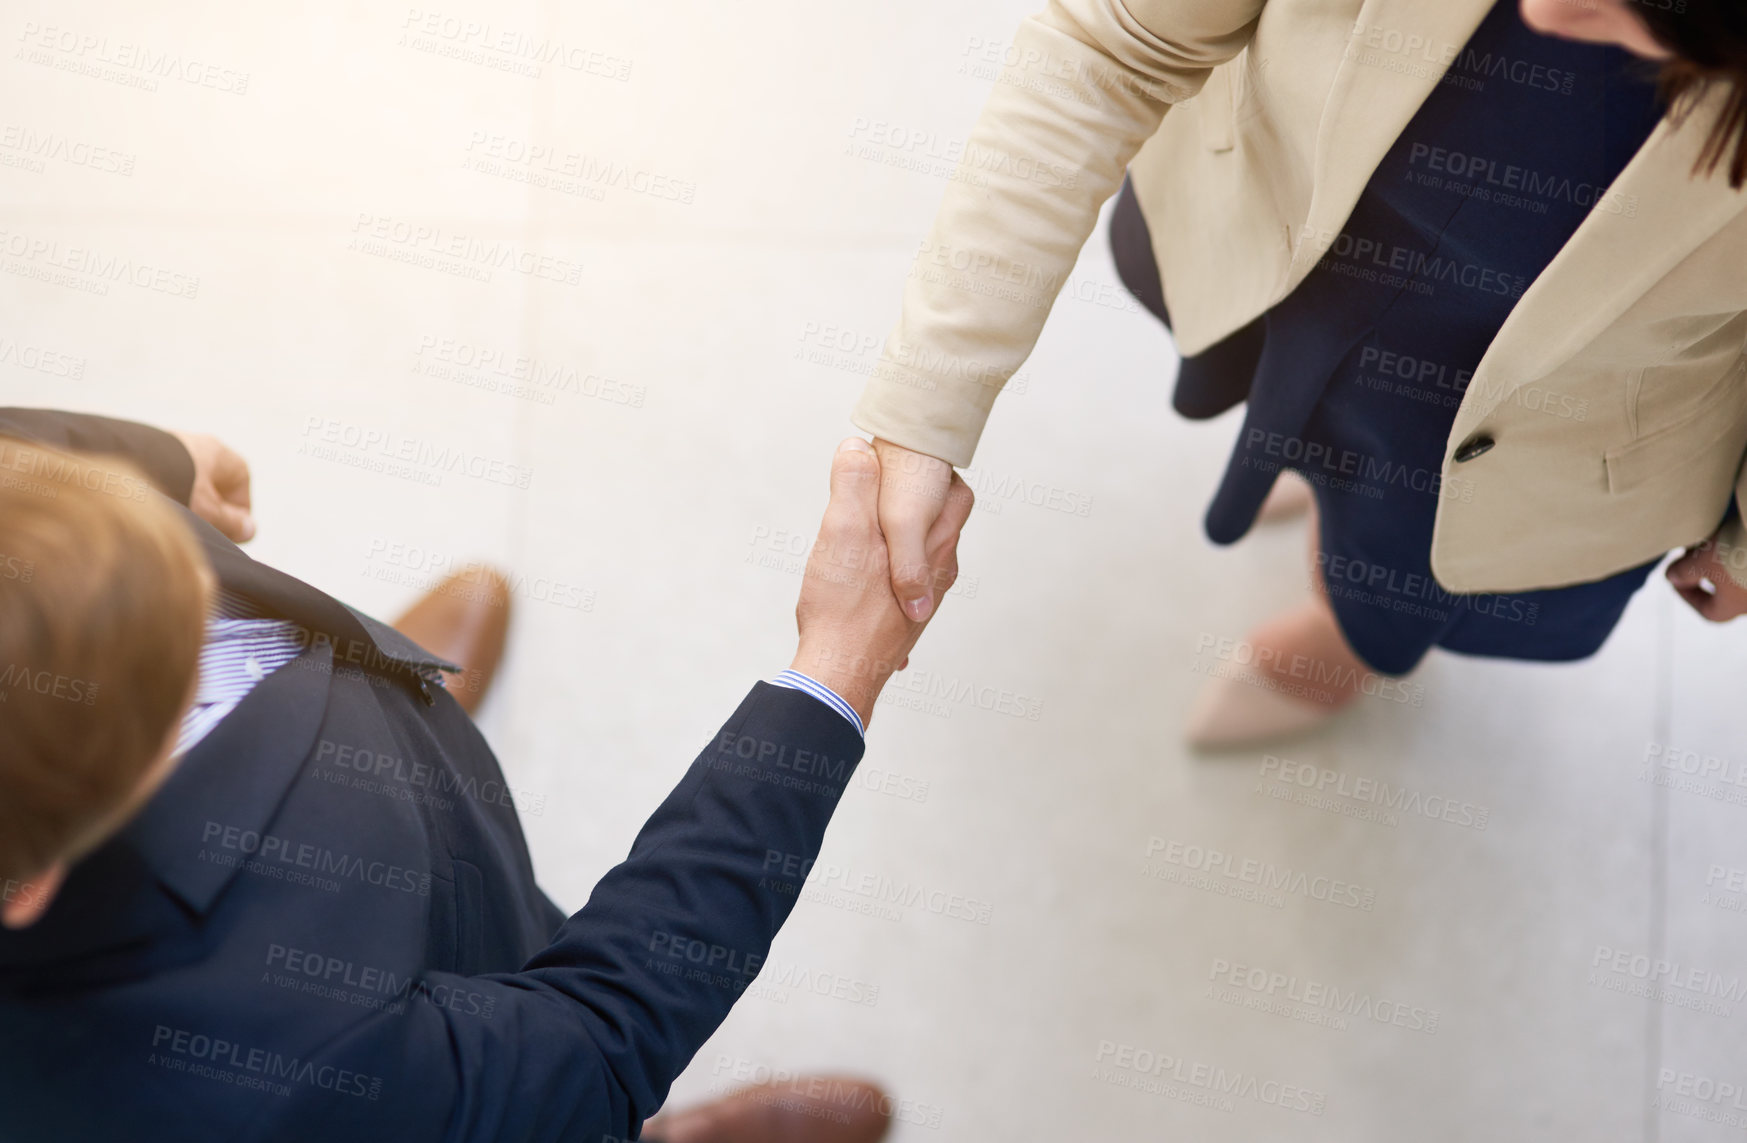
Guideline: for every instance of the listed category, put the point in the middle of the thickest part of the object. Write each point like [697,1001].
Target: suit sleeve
[1088,82]
[585,1041]
[155,452]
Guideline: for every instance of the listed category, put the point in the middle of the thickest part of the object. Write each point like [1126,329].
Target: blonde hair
[103,599]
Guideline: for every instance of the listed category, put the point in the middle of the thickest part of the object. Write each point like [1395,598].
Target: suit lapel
[192,837]
[231,783]
[315,611]
[1398,52]
[1665,214]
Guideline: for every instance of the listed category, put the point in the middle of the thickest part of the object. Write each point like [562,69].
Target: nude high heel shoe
[1243,707]
[1244,703]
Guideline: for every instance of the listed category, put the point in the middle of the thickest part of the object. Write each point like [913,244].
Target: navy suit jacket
[326,927]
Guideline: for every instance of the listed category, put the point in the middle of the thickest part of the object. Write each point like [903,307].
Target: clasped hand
[854,630]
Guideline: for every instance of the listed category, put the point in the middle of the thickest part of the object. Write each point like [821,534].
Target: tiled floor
[387,216]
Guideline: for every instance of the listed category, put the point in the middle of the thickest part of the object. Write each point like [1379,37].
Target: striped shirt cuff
[796,681]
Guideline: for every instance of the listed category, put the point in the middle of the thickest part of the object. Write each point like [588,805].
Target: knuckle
[855,465]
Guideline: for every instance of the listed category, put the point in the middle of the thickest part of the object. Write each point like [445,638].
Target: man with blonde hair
[268,883]
[100,633]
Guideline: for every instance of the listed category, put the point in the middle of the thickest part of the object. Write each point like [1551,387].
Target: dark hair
[1709,42]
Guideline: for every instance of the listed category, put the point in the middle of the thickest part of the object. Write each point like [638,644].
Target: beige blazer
[1616,392]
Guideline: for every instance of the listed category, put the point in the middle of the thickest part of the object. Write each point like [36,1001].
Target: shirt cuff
[796,681]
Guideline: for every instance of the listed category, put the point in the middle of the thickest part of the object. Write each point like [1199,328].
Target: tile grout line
[517,524]
[1662,718]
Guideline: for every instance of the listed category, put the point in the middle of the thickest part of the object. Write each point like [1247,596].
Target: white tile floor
[700,346]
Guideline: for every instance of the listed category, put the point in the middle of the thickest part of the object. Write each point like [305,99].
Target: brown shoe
[802,1109]
[464,619]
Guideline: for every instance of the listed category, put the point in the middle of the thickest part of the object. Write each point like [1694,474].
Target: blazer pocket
[471,917]
[1690,439]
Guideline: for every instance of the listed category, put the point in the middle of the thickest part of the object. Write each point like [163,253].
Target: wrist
[857,679]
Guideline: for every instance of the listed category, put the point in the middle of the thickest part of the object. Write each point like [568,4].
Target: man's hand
[1725,599]
[854,634]
[914,489]
[221,486]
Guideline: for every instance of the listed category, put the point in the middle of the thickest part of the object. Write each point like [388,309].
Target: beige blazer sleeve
[1088,82]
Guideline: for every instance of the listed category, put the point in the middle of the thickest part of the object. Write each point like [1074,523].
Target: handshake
[887,553]
[885,531]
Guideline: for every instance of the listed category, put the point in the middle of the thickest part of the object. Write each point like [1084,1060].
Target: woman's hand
[913,493]
[853,633]
[1724,599]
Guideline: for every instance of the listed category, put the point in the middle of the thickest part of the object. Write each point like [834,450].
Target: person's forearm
[158,454]
[671,938]
[586,1039]
[1093,81]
